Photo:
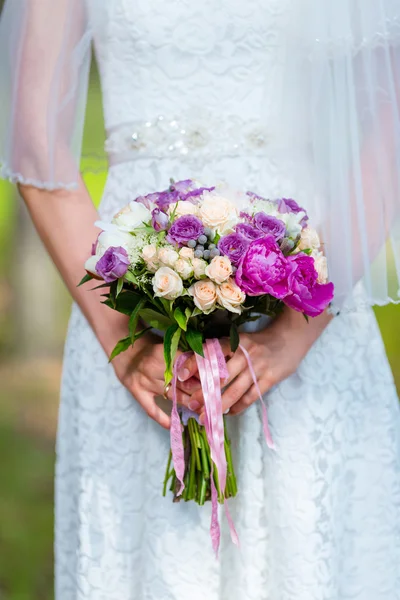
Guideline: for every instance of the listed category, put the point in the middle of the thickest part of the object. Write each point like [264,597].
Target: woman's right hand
[141,370]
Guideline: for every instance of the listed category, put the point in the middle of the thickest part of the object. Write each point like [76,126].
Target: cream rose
[199,267]
[321,266]
[149,255]
[168,256]
[218,213]
[309,238]
[186,253]
[132,216]
[204,294]
[183,207]
[219,269]
[167,283]
[230,296]
[184,268]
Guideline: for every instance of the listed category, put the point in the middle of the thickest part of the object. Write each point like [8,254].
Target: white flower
[187,253]
[132,216]
[168,256]
[184,268]
[199,267]
[270,208]
[292,222]
[204,294]
[183,207]
[108,239]
[218,213]
[230,296]
[167,284]
[219,269]
[149,255]
[321,266]
[309,239]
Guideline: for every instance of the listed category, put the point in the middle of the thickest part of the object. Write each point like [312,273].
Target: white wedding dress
[183,85]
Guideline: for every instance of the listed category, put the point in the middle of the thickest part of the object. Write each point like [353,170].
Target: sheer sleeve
[44,66]
[341,110]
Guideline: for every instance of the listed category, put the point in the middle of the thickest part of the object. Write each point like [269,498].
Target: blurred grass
[29,400]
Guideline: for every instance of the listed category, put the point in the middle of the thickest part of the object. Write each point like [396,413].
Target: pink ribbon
[212,370]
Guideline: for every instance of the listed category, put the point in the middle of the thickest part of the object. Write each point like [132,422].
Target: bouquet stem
[198,465]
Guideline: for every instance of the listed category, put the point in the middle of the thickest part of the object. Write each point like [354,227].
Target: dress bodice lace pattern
[319,519]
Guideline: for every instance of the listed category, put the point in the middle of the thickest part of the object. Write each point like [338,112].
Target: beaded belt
[176,137]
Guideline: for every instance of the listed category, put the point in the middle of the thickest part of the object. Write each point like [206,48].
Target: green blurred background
[34,309]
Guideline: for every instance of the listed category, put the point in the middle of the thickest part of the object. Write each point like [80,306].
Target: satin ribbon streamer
[213,371]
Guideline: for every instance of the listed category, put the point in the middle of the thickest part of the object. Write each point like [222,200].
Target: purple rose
[307,295]
[288,205]
[246,216]
[233,246]
[184,229]
[264,269]
[181,186]
[268,224]
[159,220]
[113,264]
[248,232]
[192,194]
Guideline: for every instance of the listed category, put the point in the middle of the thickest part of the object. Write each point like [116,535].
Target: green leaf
[129,276]
[234,337]
[155,319]
[195,340]
[306,317]
[171,342]
[125,303]
[98,287]
[307,251]
[140,333]
[120,347]
[120,285]
[85,279]
[196,311]
[134,318]
[188,313]
[180,318]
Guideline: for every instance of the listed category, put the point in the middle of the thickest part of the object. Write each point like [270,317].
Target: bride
[288,98]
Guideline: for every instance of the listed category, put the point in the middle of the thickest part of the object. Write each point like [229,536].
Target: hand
[141,370]
[275,353]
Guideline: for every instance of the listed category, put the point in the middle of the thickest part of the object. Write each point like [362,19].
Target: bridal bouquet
[173,261]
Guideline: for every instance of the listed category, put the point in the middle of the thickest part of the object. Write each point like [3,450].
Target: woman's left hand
[275,353]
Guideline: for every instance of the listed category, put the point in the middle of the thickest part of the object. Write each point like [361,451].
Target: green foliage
[121,346]
[125,303]
[171,343]
[234,337]
[195,340]
[85,279]
[134,318]
[155,319]
[181,318]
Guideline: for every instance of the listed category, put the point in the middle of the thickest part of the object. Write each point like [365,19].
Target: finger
[245,401]
[190,386]
[157,388]
[147,401]
[234,392]
[189,368]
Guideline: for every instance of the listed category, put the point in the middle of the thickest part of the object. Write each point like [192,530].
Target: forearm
[65,222]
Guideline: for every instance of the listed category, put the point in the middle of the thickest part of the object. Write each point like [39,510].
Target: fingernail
[183,374]
[194,405]
[227,411]
[201,418]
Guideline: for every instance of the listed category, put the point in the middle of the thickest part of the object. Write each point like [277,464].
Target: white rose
[218,213]
[108,239]
[183,207]
[199,267]
[321,266]
[309,238]
[270,208]
[132,216]
[204,294]
[292,222]
[230,296]
[186,253]
[149,255]
[184,268]
[168,256]
[167,284]
[219,269]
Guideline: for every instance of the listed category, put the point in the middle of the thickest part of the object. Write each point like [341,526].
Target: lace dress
[319,519]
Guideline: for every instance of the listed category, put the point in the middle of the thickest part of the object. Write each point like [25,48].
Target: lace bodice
[162,58]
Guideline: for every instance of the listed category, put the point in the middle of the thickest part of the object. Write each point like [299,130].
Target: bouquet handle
[212,370]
